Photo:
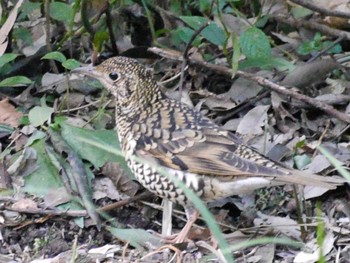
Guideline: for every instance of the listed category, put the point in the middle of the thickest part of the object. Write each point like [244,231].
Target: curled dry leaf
[7,26]
[25,204]
[253,121]
[120,179]
[104,187]
[314,256]
[8,113]
[285,225]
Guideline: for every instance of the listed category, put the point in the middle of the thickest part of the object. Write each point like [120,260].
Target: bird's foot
[172,239]
[162,248]
[175,239]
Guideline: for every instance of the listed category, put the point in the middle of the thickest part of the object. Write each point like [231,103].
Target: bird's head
[125,78]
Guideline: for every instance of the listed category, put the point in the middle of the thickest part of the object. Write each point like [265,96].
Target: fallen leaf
[8,113]
[7,26]
[104,187]
[285,225]
[25,204]
[314,256]
[253,121]
[105,250]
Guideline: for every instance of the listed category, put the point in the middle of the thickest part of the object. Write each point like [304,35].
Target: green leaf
[213,33]
[336,163]
[55,55]
[136,237]
[37,135]
[39,115]
[255,44]
[71,64]
[96,156]
[336,49]
[236,54]
[23,34]
[316,45]
[61,11]
[299,12]
[28,8]
[15,81]
[182,34]
[99,38]
[45,177]
[194,21]
[6,58]
[299,145]
[301,161]
[267,63]
[204,5]
[5,129]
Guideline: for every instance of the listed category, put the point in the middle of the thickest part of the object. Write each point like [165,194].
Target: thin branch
[78,213]
[323,51]
[187,49]
[324,29]
[48,35]
[109,23]
[321,10]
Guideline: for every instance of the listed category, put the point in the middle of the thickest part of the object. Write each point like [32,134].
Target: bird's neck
[133,110]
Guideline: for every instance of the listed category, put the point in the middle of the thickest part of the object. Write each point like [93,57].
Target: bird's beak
[89,70]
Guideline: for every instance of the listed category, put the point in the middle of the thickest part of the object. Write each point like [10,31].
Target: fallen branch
[77,213]
[177,56]
[312,25]
[321,10]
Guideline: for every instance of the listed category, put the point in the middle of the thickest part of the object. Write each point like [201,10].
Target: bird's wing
[189,142]
[182,139]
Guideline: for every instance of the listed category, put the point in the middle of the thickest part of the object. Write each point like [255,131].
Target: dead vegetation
[273,72]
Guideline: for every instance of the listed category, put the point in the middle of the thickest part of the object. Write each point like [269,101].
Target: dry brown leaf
[7,26]
[314,256]
[120,179]
[25,204]
[243,90]
[104,187]
[57,197]
[266,253]
[253,121]
[285,225]
[8,114]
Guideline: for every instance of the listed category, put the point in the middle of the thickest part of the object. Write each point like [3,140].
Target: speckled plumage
[167,133]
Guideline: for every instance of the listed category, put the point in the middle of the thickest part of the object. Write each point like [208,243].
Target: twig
[126,201]
[187,49]
[319,54]
[48,35]
[240,107]
[77,213]
[109,23]
[85,19]
[326,30]
[82,107]
[321,10]
[260,80]
[150,21]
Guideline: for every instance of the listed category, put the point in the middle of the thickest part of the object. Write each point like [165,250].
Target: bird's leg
[192,215]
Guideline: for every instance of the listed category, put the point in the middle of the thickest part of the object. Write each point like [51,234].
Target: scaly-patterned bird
[167,133]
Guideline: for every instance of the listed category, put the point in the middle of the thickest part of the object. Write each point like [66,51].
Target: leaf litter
[44,184]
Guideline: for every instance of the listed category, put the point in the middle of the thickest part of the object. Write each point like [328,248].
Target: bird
[156,131]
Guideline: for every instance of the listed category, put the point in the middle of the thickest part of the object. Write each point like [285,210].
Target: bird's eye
[113,76]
